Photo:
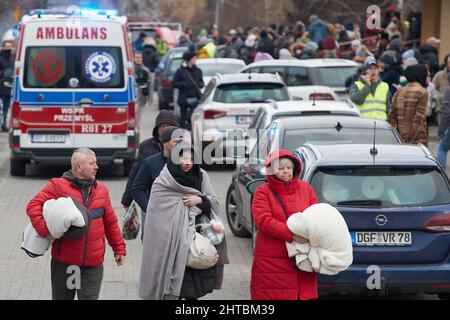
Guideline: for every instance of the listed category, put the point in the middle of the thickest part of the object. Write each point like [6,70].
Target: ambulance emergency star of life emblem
[100,67]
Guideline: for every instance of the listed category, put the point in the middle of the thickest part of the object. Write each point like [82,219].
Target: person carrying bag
[188,79]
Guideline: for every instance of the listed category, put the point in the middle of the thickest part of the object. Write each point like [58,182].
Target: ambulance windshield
[53,67]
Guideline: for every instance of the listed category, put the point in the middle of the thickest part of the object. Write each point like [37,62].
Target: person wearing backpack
[188,79]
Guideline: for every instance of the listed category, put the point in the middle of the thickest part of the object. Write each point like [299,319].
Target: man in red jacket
[77,265]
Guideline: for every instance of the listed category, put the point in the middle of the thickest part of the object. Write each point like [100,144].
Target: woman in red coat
[274,275]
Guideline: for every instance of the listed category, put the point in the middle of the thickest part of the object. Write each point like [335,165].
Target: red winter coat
[104,222]
[274,275]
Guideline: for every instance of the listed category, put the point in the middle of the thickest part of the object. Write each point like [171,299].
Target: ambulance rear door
[46,102]
[104,95]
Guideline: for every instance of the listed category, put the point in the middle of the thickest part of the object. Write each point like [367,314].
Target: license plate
[244,119]
[48,138]
[384,239]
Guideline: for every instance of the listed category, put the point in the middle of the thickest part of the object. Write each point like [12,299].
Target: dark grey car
[290,134]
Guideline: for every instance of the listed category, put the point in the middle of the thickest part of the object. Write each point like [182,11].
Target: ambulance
[73,87]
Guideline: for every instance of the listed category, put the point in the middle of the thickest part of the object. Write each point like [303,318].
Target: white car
[229,103]
[271,111]
[211,67]
[303,76]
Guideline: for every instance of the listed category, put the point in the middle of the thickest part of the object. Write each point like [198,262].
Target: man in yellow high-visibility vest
[370,94]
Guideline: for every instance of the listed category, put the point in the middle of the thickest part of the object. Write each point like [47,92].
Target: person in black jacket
[188,79]
[149,147]
[6,77]
[430,54]
[150,169]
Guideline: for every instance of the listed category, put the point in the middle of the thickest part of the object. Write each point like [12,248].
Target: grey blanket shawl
[169,230]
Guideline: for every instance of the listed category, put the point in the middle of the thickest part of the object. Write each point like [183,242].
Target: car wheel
[444,296]
[232,215]
[17,168]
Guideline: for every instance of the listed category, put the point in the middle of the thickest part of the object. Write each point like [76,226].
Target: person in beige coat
[441,82]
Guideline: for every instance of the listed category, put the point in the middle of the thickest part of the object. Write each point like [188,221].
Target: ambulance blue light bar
[81,12]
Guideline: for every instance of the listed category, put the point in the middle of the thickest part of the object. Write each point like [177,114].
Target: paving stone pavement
[22,277]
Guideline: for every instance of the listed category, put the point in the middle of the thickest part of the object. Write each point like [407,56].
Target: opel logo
[381,220]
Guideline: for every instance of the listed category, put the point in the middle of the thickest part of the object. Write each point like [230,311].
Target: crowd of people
[391,50]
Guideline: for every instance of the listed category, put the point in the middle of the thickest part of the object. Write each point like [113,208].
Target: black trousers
[69,280]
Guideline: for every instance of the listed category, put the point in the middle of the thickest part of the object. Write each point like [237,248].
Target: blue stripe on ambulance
[64,97]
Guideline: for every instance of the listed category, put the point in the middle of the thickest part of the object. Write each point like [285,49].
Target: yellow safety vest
[374,107]
[210,50]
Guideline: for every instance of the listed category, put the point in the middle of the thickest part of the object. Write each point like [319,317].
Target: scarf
[191,179]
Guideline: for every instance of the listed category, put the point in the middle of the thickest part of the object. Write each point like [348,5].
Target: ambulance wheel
[127,165]
[17,167]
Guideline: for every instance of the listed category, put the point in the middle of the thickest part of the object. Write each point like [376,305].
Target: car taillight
[320,96]
[166,83]
[214,114]
[131,116]
[438,224]
[14,122]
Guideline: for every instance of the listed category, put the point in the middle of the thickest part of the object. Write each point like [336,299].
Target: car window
[333,76]
[262,146]
[394,186]
[252,70]
[210,69]
[295,138]
[250,92]
[94,67]
[296,76]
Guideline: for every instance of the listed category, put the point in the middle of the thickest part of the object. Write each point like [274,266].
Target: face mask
[7,51]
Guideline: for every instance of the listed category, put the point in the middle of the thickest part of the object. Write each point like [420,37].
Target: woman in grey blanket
[178,196]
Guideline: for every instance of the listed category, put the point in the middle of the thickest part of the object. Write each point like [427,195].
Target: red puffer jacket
[274,275]
[88,251]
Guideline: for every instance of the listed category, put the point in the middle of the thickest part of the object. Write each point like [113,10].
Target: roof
[60,16]
[321,105]
[309,63]
[250,77]
[331,121]
[359,154]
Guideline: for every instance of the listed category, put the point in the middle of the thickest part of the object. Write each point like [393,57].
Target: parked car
[395,202]
[303,76]
[229,102]
[211,67]
[165,72]
[290,134]
[168,31]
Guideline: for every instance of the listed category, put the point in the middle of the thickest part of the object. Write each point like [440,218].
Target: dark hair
[263,34]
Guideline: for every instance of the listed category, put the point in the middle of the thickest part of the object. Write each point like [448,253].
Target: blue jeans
[443,147]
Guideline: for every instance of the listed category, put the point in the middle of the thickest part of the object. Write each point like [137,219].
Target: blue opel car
[395,200]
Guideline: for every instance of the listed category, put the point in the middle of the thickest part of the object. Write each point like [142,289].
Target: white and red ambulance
[73,88]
